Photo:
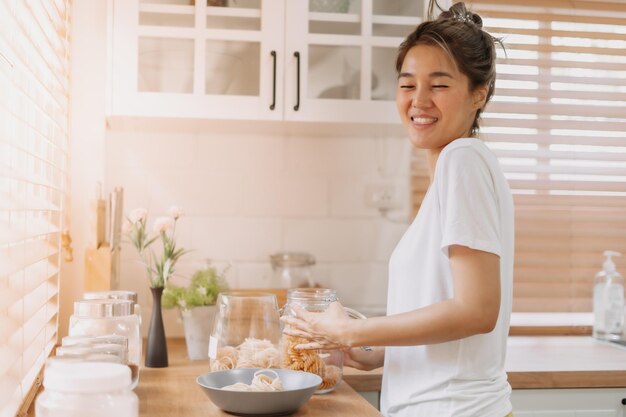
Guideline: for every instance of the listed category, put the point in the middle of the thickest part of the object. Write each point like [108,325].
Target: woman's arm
[473,309]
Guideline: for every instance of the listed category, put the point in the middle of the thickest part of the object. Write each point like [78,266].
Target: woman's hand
[325,330]
[364,360]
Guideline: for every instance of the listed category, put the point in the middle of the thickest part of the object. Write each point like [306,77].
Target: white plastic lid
[72,376]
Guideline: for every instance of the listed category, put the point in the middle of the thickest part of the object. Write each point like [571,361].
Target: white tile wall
[248,196]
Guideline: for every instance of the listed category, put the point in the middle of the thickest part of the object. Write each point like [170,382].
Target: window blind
[34,63]
[557,123]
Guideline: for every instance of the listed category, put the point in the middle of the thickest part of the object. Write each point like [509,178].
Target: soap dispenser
[608,300]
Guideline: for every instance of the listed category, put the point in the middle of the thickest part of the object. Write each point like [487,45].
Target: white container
[198,323]
[80,389]
[107,317]
[608,301]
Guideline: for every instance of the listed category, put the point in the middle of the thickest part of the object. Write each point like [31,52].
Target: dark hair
[459,32]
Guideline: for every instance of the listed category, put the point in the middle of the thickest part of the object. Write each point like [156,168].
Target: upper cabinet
[300,60]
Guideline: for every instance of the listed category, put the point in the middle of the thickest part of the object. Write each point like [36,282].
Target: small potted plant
[197,307]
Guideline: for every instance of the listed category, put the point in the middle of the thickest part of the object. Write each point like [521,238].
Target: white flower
[202,291]
[175,212]
[162,224]
[126,226]
[137,215]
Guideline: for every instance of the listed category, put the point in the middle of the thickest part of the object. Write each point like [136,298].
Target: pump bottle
[608,301]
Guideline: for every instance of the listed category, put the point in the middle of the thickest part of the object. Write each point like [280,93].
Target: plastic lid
[89,339]
[103,308]
[71,376]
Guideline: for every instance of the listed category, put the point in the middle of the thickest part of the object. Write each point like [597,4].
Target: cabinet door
[588,402]
[197,59]
[347,49]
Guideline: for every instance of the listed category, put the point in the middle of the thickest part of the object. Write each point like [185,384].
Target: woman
[450,276]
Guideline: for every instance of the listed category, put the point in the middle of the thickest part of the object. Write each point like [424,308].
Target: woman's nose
[420,98]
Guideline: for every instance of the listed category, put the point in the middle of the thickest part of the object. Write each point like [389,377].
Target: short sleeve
[468,202]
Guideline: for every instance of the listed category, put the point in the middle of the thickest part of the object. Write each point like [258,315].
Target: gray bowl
[298,388]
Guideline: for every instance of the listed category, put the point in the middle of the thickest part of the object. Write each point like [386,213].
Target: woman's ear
[480,97]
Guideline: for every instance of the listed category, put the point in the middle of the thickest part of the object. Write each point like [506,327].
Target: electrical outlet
[381,196]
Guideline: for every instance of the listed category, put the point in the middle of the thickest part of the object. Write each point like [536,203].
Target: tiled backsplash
[248,196]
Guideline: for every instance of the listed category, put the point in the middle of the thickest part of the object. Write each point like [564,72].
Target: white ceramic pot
[198,323]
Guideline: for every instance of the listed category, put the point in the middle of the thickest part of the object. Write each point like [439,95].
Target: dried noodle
[260,382]
[308,361]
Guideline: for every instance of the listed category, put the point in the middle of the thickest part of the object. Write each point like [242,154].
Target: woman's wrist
[351,332]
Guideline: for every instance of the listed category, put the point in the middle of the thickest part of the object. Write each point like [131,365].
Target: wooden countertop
[173,392]
[551,324]
[542,362]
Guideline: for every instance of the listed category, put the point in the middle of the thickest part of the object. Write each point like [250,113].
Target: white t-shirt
[469,203]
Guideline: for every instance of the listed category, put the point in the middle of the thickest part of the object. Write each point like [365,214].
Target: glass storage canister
[328,364]
[94,389]
[106,317]
[292,269]
[246,331]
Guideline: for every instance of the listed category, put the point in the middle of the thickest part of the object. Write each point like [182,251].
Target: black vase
[156,351]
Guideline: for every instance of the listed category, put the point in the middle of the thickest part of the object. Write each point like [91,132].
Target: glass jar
[106,317]
[328,364]
[94,389]
[246,331]
[292,269]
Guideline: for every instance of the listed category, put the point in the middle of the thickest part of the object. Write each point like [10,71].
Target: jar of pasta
[328,364]
[246,331]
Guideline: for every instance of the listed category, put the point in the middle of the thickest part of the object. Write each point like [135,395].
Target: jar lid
[103,308]
[312,294]
[281,259]
[89,339]
[79,376]
[114,294]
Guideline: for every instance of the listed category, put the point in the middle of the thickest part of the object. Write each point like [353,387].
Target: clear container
[79,389]
[246,332]
[292,269]
[328,364]
[109,316]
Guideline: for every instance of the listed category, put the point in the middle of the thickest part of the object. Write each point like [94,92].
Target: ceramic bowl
[298,387]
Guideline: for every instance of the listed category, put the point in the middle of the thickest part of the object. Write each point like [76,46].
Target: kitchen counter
[173,392]
[551,324]
[542,362]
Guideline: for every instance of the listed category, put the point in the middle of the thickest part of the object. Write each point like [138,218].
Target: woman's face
[433,98]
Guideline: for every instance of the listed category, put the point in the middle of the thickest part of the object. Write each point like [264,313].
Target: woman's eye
[440,86]
[406,86]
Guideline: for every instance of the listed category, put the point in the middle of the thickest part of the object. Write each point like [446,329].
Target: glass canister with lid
[292,269]
[101,317]
[328,364]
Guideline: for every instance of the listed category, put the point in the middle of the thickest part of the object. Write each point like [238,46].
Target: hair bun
[460,13]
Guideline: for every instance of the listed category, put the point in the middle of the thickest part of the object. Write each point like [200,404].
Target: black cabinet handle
[297,106]
[273,105]
[623,401]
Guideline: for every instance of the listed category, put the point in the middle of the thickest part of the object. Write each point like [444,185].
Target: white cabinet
[588,402]
[298,60]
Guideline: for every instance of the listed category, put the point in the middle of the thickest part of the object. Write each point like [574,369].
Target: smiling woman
[34,98]
[556,124]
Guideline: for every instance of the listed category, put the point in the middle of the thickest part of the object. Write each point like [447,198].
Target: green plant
[203,289]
